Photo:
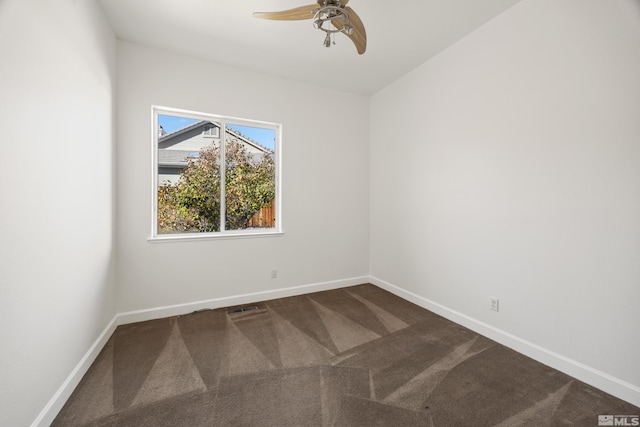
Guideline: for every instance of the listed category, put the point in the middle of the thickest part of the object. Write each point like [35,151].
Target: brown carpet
[357,356]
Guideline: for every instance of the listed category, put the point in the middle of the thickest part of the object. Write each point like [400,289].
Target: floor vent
[241,309]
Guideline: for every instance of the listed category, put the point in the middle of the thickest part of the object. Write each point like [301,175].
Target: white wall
[325,183]
[57,293]
[509,166]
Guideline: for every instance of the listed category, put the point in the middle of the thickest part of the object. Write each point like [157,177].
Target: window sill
[211,236]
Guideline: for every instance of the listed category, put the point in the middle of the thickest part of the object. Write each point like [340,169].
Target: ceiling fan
[330,16]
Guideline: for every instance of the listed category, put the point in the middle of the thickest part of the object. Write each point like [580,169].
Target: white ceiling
[400,36]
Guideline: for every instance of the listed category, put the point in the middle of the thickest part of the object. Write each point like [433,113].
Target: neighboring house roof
[174,158]
[175,133]
[175,148]
[249,141]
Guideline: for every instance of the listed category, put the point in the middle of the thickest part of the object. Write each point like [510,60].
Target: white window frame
[223,120]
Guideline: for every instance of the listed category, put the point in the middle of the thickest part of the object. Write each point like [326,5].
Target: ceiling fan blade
[296,14]
[359,35]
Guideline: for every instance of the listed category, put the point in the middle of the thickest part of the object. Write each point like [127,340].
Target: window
[214,176]
[211,131]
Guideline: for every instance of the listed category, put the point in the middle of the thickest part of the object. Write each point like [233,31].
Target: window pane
[250,177]
[215,175]
[188,175]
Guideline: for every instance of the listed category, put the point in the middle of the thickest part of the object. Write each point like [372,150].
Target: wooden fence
[265,217]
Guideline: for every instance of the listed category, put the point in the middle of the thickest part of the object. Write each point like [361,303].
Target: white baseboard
[178,309]
[601,380]
[55,404]
[53,407]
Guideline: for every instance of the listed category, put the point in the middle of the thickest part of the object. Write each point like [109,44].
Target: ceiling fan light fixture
[327,40]
[348,29]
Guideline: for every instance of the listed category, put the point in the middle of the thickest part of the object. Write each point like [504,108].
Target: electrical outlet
[274,273]
[494,304]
